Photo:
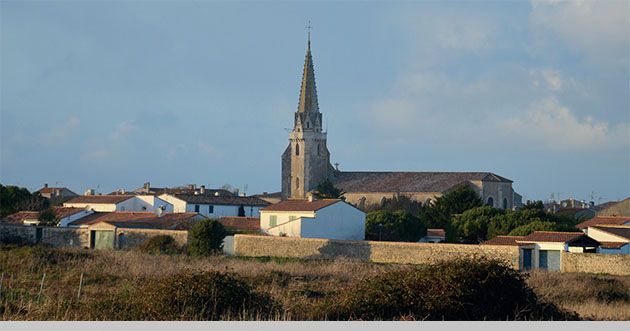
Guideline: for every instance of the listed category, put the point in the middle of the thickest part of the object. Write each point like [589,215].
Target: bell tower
[306,161]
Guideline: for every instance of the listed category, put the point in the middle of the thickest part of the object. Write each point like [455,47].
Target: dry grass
[593,297]
[296,285]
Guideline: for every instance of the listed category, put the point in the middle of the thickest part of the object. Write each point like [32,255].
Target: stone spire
[308,116]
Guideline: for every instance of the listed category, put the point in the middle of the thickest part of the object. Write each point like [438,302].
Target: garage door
[549,260]
[102,239]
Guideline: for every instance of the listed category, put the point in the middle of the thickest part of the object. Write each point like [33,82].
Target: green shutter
[273,219]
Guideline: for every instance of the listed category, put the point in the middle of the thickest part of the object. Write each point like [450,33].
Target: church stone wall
[375,198]
[498,191]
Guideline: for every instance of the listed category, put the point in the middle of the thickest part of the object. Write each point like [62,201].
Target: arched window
[297,149]
[317,149]
[427,202]
[362,203]
[504,203]
[490,202]
[297,183]
[308,125]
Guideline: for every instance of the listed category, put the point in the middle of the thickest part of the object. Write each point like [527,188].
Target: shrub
[159,244]
[206,237]
[185,296]
[461,289]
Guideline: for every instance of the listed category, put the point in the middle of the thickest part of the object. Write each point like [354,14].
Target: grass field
[294,288]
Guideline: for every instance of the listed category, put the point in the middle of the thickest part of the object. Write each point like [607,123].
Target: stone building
[306,163]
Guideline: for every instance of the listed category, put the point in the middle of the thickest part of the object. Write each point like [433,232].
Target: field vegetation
[149,285]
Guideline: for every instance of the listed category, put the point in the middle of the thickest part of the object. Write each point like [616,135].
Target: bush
[397,226]
[159,244]
[461,289]
[206,237]
[185,296]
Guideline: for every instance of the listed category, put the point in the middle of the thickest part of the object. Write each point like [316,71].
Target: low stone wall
[135,237]
[80,237]
[373,251]
[613,264]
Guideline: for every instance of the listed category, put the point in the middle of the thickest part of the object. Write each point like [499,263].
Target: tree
[534,205]
[13,199]
[206,237]
[327,190]
[397,226]
[47,217]
[438,214]
[399,202]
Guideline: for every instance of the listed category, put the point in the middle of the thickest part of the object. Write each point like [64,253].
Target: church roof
[409,181]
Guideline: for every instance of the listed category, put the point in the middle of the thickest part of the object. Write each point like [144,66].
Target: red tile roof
[300,205]
[140,219]
[503,240]
[601,220]
[547,236]
[115,199]
[241,223]
[612,245]
[436,233]
[21,216]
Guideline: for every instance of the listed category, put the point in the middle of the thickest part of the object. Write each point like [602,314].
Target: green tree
[533,205]
[400,202]
[438,214]
[206,237]
[47,217]
[327,190]
[393,226]
[14,199]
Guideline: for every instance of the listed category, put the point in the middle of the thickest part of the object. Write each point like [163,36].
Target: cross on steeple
[309,27]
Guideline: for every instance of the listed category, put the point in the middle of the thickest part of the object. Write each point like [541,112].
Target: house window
[196,208]
[292,217]
[297,149]
[210,209]
[122,208]
[273,220]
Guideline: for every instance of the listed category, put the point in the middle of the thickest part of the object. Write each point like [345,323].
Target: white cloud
[59,134]
[554,127]
[123,130]
[598,28]
[550,79]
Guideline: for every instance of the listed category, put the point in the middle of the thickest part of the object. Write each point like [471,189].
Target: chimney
[159,212]
[45,185]
[146,187]
[243,194]
[122,191]
[310,198]
[202,189]
[236,191]
[191,187]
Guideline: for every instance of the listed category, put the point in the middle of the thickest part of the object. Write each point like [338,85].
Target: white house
[327,218]
[215,204]
[102,203]
[614,239]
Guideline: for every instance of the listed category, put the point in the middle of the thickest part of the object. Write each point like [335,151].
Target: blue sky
[109,95]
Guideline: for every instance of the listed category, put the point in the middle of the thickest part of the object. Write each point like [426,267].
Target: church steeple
[308,116]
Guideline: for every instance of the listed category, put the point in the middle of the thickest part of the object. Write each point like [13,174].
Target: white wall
[600,235]
[546,247]
[282,217]
[64,221]
[625,249]
[337,221]
[93,206]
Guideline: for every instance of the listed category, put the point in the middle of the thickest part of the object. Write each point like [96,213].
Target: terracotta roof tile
[601,220]
[547,236]
[115,199]
[168,220]
[436,233]
[612,245]
[20,217]
[503,240]
[241,223]
[300,205]
[409,181]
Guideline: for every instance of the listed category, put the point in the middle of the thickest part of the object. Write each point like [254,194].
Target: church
[306,163]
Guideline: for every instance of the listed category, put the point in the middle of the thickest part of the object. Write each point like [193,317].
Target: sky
[109,95]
